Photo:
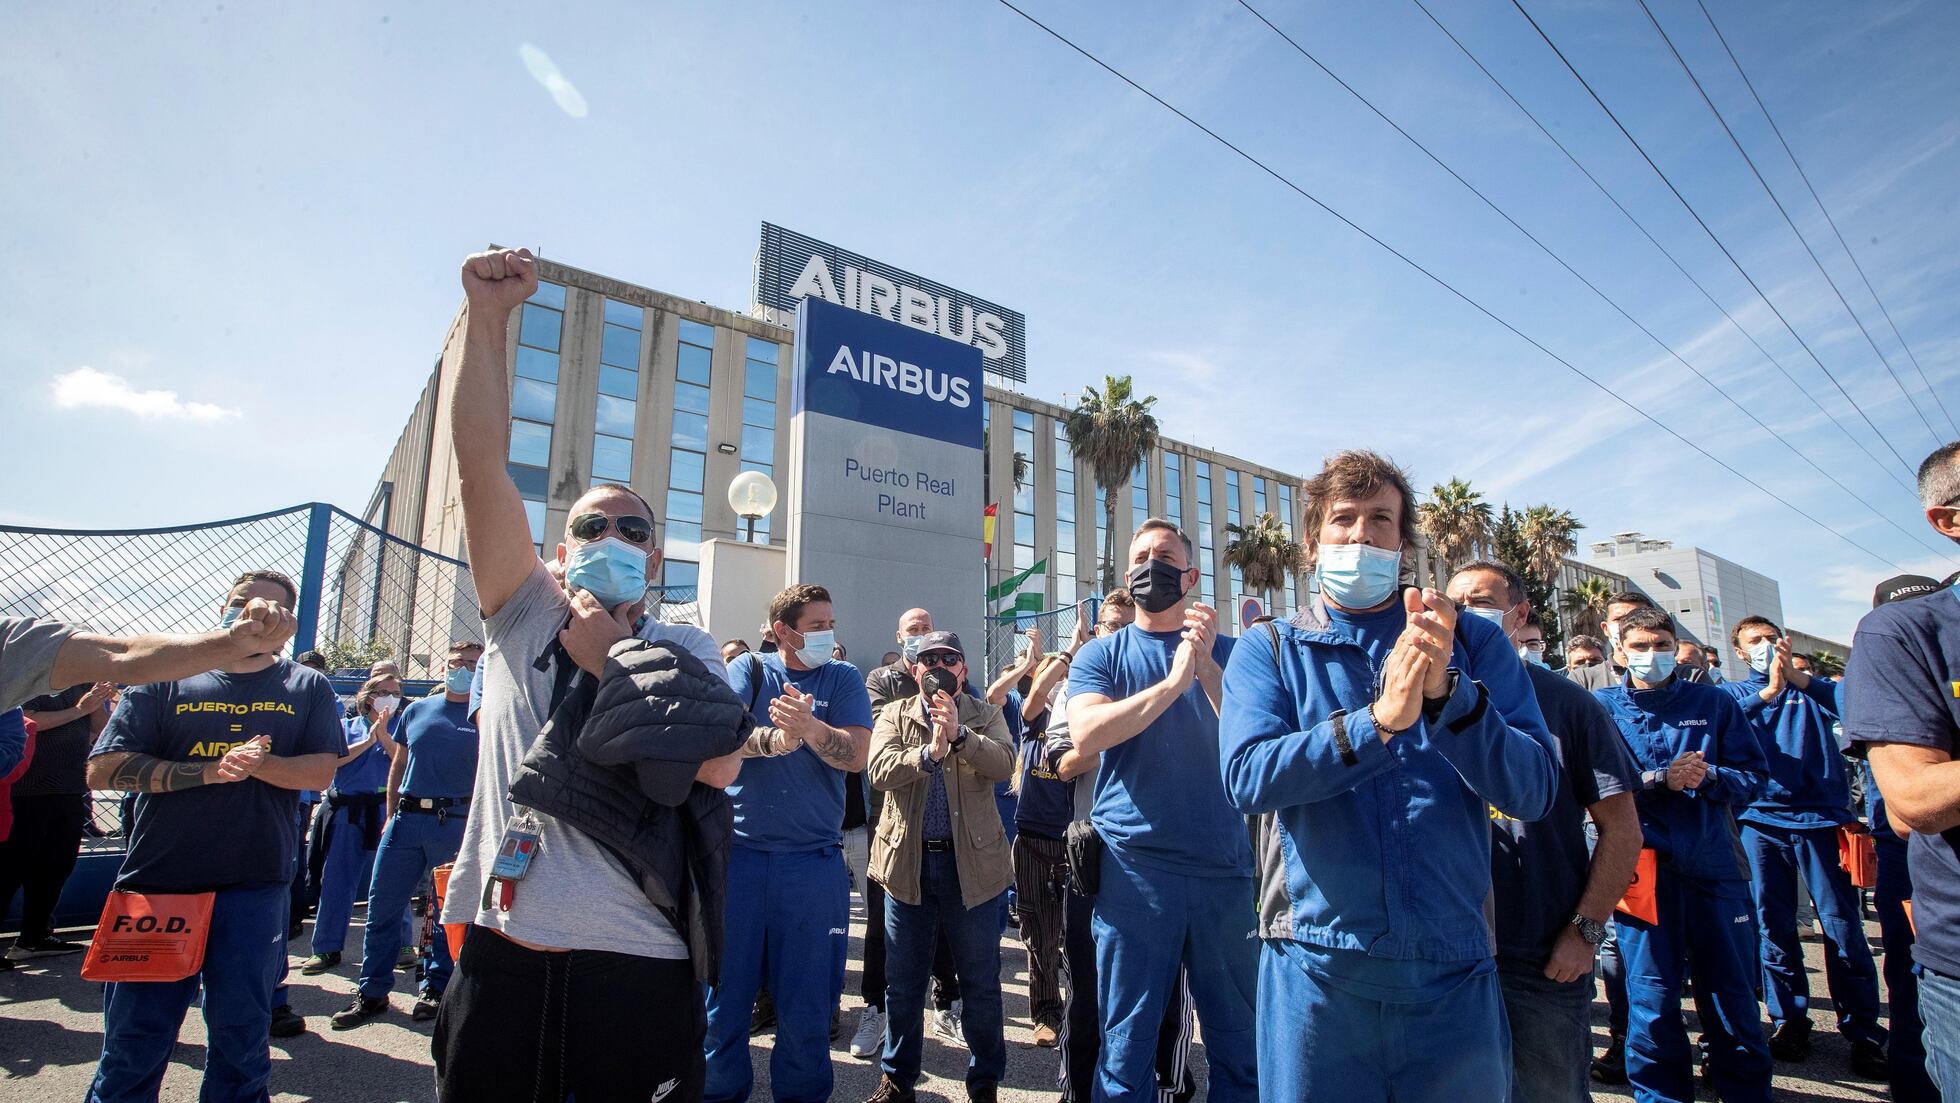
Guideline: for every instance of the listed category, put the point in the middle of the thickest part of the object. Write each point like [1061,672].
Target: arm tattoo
[141,773]
[757,745]
[834,746]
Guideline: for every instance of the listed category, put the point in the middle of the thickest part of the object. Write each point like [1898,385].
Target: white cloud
[545,72]
[86,388]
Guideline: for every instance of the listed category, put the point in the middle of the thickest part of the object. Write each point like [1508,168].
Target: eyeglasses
[587,527]
[941,658]
[1534,645]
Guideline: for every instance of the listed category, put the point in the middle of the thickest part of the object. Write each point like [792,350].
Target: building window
[1286,523]
[1140,494]
[1024,492]
[1102,530]
[1232,517]
[534,400]
[759,417]
[1207,581]
[1259,510]
[1174,488]
[688,456]
[619,391]
[1065,515]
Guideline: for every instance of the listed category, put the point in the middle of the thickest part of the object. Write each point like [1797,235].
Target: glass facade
[619,391]
[1024,556]
[1174,488]
[1232,517]
[1140,494]
[1207,578]
[1286,522]
[1064,516]
[534,400]
[688,455]
[759,418]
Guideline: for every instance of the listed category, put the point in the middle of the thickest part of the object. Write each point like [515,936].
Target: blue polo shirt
[1902,685]
[1160,800]
[1807,785]
[441,744]
[366,772]
[795,802]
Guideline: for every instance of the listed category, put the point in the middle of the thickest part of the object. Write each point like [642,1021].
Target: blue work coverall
[1790,832]
[1374,856]
[1701,893]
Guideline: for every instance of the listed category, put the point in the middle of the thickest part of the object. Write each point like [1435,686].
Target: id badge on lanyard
[514,855]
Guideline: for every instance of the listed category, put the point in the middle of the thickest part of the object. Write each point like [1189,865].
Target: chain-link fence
[1006,635]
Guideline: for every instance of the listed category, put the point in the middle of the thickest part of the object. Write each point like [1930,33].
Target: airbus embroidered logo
[839,930]
[1702,723]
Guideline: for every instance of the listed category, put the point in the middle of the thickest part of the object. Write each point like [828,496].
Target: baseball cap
[941,641]
[1900,587]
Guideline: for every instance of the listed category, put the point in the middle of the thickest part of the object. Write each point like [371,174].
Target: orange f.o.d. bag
[1639,901]
[1858,855]
[150,936]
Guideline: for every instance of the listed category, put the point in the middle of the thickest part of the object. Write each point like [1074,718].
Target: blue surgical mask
[457,679]
[911,648]
[611,570]
[1762,655]
[816,648]
[1535,658]
[231,615]
[1495,617]
[1358,576]
[1651,667]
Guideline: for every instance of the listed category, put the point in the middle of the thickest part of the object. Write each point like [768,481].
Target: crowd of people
[1379,849]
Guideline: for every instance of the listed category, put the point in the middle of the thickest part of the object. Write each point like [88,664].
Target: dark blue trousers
[1706,931]
[414,844]
[1906,1056]
[1777,857]
[911,935]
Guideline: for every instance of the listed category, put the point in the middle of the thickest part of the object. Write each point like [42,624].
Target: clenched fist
[498,279]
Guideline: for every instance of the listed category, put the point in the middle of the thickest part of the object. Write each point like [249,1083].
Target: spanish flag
[989,516]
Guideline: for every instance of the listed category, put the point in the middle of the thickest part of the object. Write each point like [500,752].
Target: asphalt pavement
[50,1038]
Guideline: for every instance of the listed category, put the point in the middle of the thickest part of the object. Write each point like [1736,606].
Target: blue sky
[257,210]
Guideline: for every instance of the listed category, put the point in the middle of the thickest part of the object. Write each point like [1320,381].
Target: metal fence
[1056,625]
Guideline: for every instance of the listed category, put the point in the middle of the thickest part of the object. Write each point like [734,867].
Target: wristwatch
[1594,933]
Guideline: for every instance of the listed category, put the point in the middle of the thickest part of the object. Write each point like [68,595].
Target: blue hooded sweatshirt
[1372,846]
[1807,785]
[1689,830]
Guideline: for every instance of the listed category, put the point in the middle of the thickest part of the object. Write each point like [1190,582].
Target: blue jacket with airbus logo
[1690,831]
[1365,845]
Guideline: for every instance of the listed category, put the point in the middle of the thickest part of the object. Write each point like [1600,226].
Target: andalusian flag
[988,515]
[1005,596]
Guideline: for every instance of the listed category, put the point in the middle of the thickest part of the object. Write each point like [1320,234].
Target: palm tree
[1457,523]
[1264,554]
[1549,536]
[1827,664]
[1112,431]
[1587,602]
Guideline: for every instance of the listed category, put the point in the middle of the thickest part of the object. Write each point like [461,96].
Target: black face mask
[940,680]
[1156,585]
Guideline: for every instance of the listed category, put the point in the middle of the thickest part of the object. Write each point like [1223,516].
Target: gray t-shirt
[575,896]
[27,651]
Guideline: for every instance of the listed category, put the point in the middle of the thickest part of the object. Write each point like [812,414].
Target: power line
[1791,222]
[1665,179]
[1672,259]
[1590,286]
[1825,211]
[1438,280]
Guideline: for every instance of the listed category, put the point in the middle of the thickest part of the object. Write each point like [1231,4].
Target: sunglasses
[587,527]
[941,658]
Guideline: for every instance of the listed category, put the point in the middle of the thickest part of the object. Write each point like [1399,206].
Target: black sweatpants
[1040,869]
[527,1026]
[38,856]
[1081,1036]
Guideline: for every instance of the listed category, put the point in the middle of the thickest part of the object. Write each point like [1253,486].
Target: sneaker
[889,1092]
[764,1015]
[358,1012]
[869,1041]
[1791,1041]
[44,947]
[318,963]
[426,1007]
[406,959]
[1045,1036]
[946,1024]
[1610,1067]
[983,1091]
[286,1023]
[1868,1061]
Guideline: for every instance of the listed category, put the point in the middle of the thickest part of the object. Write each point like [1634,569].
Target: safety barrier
[1057,626]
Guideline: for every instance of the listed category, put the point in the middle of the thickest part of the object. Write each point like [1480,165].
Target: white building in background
[1706,593]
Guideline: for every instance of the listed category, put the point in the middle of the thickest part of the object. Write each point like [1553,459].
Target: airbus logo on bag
[1702,723]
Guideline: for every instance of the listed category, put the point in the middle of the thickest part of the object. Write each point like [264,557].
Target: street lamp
[751,494]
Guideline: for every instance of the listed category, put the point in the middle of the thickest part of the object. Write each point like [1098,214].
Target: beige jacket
[979,840]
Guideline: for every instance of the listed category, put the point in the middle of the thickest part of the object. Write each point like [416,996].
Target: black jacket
[617,761]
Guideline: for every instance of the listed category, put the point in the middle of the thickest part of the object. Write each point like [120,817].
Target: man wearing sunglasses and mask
[571,980]
[1372,734]
[787,864]
[1176,872]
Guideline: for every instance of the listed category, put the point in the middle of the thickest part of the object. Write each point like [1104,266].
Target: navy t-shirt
[441,744]
[1902,685]
[795,802]
[1160,799]
[230,833]
[1538,870]
[1047,802]
[366,772]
